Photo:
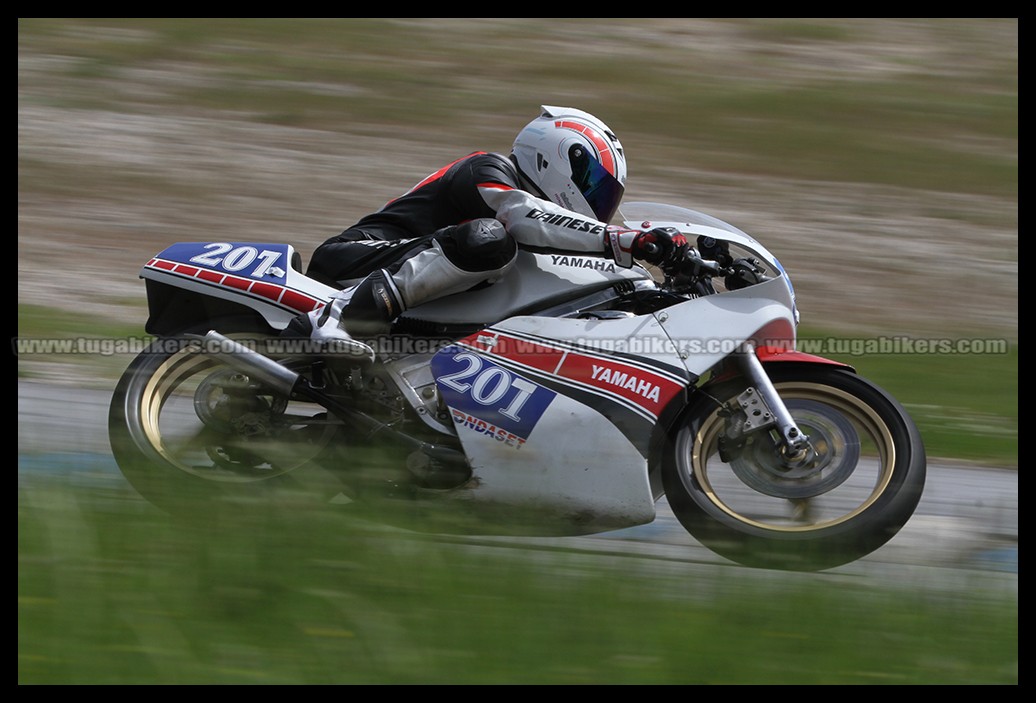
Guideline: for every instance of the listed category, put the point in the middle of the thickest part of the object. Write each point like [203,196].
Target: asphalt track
[966,525]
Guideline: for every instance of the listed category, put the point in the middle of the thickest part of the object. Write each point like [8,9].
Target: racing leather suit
[459,227]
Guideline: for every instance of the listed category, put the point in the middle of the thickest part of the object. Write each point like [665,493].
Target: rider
[461,227]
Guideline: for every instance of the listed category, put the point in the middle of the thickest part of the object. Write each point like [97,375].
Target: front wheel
[761,509]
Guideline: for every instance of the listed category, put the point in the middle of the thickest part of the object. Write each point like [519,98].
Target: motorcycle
[567,398]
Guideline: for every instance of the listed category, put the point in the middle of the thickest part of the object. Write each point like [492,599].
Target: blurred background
[878,158]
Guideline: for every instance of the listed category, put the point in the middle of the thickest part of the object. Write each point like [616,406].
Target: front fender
[768,355]
[775,354]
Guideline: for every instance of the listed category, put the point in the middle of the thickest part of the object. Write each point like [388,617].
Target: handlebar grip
[694,265]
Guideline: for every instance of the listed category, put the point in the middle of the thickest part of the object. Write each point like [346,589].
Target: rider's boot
[367,310]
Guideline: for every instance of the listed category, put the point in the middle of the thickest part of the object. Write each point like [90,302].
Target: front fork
[759,407]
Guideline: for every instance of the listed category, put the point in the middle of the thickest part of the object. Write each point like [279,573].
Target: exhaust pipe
[250,362]
[445,463]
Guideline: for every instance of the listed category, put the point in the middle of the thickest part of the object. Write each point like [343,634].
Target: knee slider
[479,245]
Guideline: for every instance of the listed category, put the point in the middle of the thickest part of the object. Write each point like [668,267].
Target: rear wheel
[186,429]
[761,508]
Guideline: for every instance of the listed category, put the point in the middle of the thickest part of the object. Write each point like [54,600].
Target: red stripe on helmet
[602,145]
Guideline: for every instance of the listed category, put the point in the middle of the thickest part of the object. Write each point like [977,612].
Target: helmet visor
[599,187]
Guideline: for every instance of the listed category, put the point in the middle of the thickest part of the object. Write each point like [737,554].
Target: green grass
[965,404]
[63,342]
[112,592]
[40,321]
[965,408]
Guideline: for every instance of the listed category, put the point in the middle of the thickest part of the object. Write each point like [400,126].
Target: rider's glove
[658,246]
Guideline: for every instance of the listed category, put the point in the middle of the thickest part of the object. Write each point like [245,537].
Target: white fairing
[645,216]
[706,330]
[260,276]
[535,279]
[279,292]
[555,413]
[581,391]
[548,417]
[598,482]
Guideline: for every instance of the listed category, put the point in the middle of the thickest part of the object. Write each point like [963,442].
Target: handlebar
[737,273]
[694,265]
[690,264]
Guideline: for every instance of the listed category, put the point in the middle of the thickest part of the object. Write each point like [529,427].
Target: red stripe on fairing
[604,148]
[268,290]
[298,301]
[212,276]
[634,384]
[495,186]
[235,282]
[271,291]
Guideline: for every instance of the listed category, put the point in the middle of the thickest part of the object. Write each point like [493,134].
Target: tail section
[199,280]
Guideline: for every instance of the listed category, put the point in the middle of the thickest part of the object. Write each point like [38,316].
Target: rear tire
[188,431]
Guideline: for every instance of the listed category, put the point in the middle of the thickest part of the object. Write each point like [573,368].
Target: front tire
[758,510]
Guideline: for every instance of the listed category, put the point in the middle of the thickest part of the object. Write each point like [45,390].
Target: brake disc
[836,444]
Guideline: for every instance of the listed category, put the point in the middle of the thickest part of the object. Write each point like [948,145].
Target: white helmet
[573,159]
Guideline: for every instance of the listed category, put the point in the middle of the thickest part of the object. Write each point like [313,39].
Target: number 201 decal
[237,258]
[479,390]
[489,385]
